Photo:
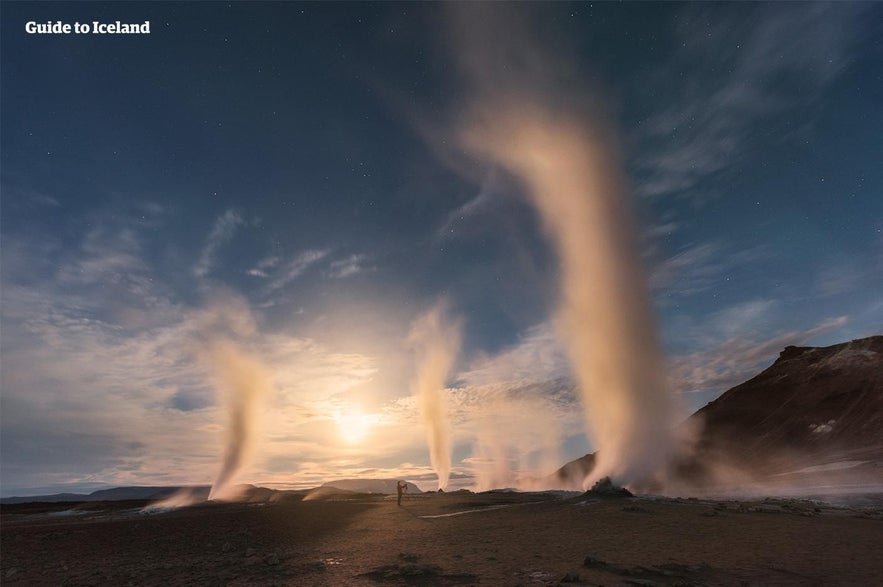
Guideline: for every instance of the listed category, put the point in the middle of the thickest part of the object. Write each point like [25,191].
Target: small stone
[250,552]
[272,559]
[570,578]
[11,573]
[226,547]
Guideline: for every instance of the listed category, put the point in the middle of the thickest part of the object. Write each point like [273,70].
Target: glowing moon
[354,426]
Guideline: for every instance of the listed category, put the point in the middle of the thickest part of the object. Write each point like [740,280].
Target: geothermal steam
[242,381]
[530,117]
[435,339]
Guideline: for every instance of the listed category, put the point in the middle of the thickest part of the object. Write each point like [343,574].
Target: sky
[287,176]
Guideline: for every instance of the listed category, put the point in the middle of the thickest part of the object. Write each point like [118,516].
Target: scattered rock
[594,563]
[420,573]
[415,570]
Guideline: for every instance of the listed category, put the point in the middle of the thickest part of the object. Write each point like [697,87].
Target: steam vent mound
[606,488]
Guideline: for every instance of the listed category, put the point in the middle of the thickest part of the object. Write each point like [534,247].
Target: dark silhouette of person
[401,487]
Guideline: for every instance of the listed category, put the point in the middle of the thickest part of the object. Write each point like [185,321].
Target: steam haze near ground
[435,338]
[529,116]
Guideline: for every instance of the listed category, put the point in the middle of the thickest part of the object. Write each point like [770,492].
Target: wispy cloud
[699,267]
[747,68]
[538,356]
[222,231]
[262,268]
[349,266]
[736,359]
[482,202]
[295,268]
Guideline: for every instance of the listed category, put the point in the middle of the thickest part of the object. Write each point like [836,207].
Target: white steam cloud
[528,115]
[242,380]
[435,338]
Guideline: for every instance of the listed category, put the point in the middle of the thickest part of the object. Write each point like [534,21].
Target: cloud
[92,395]
[841,275]
[698,268]
[538,356]
[347,267]
[263,266]
[736,359]
[747,69]
[222,231]
[482,202]
[295,268]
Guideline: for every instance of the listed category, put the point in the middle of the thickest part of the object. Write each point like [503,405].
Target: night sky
[293,164]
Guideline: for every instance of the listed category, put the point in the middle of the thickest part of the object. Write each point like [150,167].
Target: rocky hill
[812,404]
[814,408]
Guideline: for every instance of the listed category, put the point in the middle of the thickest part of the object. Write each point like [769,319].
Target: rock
[272,559]
[226,547]
[570,578]
[250,552]
[594,563]
[11,573]
[606,488]
[415,570]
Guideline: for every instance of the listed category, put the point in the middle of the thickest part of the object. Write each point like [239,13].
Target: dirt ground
[437,540]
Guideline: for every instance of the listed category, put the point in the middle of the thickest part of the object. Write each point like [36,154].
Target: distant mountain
[195,494]
[387,486]
[812,408]
[114,494]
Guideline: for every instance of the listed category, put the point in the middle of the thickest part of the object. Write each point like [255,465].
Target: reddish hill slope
[812,407]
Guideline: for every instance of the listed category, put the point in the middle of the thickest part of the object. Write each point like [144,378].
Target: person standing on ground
[401,487]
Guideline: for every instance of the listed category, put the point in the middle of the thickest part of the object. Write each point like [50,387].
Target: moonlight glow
[354,427]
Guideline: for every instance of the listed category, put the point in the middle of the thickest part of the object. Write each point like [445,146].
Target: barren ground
[499,539]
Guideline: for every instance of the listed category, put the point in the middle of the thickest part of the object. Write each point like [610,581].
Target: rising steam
[243,382]
[528,116]
[435,339]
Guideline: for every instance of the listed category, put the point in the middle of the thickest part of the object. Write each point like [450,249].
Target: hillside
[814,407]
[812,404]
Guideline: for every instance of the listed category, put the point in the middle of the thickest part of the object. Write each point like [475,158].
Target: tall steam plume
[435,339]
[243,382]
[529,116]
